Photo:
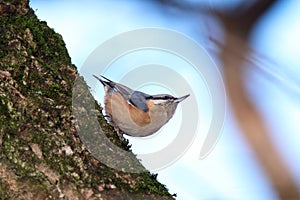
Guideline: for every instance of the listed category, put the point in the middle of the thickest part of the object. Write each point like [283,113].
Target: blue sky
[230,171]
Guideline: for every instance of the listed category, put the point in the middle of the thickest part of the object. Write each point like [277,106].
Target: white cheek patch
[159,101]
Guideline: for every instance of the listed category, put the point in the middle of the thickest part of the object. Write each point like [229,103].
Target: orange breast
[121,112]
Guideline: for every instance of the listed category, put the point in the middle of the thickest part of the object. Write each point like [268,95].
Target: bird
[135,113]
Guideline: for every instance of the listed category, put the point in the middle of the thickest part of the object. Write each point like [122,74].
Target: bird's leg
[120,133]
[106,116]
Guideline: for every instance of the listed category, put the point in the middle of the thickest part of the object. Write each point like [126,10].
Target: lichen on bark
[41,154]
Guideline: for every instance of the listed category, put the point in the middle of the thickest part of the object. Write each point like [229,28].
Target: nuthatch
[136,113]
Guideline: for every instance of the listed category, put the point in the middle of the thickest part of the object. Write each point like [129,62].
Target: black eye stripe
[149,97]
[161,97]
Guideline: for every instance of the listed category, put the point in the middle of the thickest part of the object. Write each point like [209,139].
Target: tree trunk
[42,156]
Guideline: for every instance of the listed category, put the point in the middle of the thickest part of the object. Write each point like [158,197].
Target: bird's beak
[179,99]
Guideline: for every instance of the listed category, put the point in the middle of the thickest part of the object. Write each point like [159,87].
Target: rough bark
[41,154]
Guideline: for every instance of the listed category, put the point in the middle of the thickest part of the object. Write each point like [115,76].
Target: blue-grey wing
[138,99]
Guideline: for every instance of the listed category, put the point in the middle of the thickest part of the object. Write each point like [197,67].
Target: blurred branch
[250,120]
[233,55]
[240,21]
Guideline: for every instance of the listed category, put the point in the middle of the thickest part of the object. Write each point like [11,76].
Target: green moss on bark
[42,156]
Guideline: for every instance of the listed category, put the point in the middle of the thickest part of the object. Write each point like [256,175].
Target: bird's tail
[105,82]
